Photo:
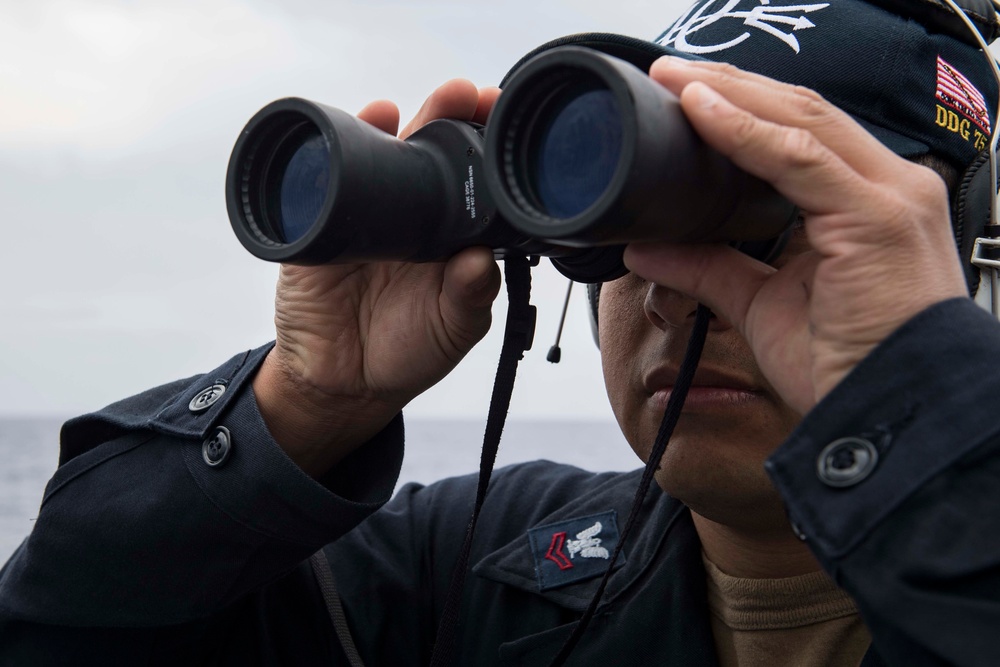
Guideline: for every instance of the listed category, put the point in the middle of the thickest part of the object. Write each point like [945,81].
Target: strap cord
[518,334]
[673,412]
[327,586]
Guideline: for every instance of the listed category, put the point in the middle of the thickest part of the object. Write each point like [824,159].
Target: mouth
[712,389]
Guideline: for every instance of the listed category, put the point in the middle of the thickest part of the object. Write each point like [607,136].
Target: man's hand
[882,245]
[355,343]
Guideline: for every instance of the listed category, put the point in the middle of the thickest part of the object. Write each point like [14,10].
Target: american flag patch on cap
[958,93]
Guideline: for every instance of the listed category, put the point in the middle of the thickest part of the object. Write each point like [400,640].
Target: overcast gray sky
[118,268]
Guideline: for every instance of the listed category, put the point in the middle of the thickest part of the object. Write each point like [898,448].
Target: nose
[669,309]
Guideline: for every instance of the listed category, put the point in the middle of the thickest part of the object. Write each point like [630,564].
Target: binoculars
[582,154]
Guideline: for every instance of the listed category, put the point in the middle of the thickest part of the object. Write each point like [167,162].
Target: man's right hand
[355,343]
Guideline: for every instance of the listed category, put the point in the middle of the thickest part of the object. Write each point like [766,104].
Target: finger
[457,99]
[472,278]
[383,114]
[487,98]
[768,307]
[471,284]
[800,166]
[722,278]
[780,103]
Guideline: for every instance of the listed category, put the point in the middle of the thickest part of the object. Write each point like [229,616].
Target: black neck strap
[673,412]
[518,334]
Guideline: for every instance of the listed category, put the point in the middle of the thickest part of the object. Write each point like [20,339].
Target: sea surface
[435,449]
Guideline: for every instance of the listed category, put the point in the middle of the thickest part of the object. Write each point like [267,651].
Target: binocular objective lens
[301,183]
[575,152]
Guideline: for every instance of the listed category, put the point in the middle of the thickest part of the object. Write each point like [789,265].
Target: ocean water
[435,449]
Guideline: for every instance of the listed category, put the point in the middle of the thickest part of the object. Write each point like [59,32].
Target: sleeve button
[217,447]
[846,462]
[206,398]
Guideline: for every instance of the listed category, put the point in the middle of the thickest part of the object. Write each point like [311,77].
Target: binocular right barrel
[584,149]
[583,154]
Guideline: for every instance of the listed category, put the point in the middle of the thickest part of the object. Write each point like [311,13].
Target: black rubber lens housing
[282,177]
[638,171]
[310,184]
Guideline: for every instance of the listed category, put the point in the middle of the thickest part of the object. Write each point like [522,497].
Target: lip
[711,389]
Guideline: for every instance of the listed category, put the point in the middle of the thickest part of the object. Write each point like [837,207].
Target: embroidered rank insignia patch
[575,549]
[961,108]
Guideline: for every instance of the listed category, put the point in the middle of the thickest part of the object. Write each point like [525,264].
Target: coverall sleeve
[894,481]
[154,545]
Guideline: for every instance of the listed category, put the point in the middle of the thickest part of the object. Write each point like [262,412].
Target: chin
[721,478]
[736,496]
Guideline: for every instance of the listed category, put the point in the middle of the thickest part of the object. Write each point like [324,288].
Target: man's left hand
[882,244]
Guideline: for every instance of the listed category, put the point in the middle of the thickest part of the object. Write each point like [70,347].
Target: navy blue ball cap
[907,70]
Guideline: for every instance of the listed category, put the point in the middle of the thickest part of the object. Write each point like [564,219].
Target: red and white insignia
[957,92]
[561,560]
[587,544]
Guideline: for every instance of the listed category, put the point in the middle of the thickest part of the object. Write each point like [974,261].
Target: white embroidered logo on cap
[778,21]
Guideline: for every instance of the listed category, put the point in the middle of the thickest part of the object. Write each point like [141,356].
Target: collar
[660,518]
[655,604]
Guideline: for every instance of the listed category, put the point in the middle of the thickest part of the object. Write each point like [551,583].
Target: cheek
[617,378]
[621,323]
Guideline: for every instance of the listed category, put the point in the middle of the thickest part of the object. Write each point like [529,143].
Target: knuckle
[901,212]
[726,75]
[727,70]
[800,148]
[927,183]
[745,130]
[811,100]
[813,108]
[909,206]
[897,223]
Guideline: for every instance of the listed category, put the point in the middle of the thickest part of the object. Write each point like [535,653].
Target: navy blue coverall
[146,554]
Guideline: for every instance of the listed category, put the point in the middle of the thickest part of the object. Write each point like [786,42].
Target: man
[176,528]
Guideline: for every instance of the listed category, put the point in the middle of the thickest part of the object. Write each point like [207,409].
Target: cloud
[101,75]
[118,269]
